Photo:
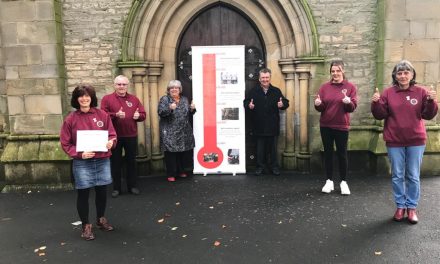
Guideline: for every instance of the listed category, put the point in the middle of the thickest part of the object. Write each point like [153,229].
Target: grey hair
[403,65]
[174,83]
[121,77]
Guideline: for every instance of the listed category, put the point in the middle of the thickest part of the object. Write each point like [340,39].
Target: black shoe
[258,171]
[276,171]
[135,191]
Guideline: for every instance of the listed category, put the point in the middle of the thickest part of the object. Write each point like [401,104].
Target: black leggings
[82,203]
[330,137]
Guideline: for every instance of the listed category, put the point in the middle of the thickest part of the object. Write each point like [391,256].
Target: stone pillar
[137,76]
[288,156]
[303,157]
[154,71]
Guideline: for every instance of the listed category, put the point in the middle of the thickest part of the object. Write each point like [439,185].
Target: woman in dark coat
[176,134]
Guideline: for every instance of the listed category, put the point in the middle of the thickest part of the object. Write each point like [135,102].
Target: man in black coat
[264,103]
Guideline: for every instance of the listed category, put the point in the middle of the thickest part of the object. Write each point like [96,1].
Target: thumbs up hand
[192,105]
[173,105]
[136,114]
[432,94]
[376,95]
[318,101]
[280,103]
[120,113]
[251,104]
[346,99]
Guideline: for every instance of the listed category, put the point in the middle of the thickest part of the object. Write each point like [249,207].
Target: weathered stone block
[417,29]
[39,71]
[13,11]
[396,30]
[11,72]
[33,54]
[429,8]
[3,105]
[45,10]
[422,50]
[433,29]
[15,55]
[36,32]
[52,123]
[49,54]
[27,124]
[9,34]
[15,105]
[42,104]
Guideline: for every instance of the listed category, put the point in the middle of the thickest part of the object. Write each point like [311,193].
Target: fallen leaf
[223,226]
[77,223]
[36,250]
[211,207]
[29,192]
[377,253]
[40,254]
[63,243]
[6,219]
[217,243]
[220,203]
[344,225]
[160,220]
[184,236]
[280,222]
[174,228]
[42,248]
[167,215]
[178,203]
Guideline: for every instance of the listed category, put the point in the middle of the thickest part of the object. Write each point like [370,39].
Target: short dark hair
[81,90]
[264,70]
[403,65]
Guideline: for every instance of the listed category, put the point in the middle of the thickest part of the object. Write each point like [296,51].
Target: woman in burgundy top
[90,169]
[403,106]
[335,101]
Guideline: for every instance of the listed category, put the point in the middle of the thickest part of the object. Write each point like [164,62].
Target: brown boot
[412,216]
[87,233]
[104,225]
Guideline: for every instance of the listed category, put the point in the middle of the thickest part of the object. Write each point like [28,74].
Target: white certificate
[91,140]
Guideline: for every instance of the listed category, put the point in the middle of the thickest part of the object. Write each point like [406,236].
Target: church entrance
[217,25]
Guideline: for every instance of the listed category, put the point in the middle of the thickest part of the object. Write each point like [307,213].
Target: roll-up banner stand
[219,125]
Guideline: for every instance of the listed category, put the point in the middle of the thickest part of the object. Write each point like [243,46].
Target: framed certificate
[91,140]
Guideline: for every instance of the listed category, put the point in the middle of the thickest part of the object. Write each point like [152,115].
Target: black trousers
[82,203]
[330,137]
[178,162]
[267,151]
[129,144]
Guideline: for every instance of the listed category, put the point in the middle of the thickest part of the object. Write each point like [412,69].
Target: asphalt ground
[226,219]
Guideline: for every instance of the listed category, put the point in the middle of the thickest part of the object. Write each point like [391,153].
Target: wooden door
[221,24]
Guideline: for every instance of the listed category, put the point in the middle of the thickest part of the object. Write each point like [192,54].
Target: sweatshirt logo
[100,124]
[413,101]
[129,104]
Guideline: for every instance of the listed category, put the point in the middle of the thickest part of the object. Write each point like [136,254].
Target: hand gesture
[87,155]
[376,95]
[251,104]
[280,103]
[109,144]
[136,114]
[120,113]
[346,99]
[432,94]
[192,105]
[318,101]
[173,106]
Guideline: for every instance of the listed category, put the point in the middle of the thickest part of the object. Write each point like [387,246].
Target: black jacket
[266,115]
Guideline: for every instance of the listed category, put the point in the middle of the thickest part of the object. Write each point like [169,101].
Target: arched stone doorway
[217,25]
[152,37]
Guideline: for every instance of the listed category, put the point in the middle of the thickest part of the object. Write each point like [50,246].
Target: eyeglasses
[121,84]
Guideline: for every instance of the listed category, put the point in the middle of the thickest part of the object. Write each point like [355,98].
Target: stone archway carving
[152,33]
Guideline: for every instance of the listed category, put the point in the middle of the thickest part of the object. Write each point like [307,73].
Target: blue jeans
[405,174]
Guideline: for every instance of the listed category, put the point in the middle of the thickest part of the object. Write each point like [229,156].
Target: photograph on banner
[219,126]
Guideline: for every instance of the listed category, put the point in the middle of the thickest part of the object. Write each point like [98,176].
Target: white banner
[219,125]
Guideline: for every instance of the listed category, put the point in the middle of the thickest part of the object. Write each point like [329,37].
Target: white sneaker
[344,188]
[328,187]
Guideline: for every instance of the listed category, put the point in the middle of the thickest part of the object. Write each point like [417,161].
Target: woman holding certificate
[403,106]
[91,165]
[335,101]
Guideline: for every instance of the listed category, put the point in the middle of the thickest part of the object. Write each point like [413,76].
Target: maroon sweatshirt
[403,111]
[334,113]
[95,119]
[125,127]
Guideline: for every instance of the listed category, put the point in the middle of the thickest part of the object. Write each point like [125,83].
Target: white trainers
[344,188]
[328,187]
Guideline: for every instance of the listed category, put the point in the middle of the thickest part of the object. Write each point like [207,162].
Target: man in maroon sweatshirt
[125,111]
